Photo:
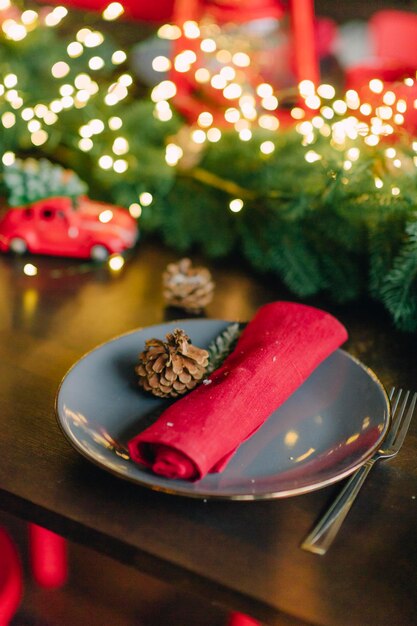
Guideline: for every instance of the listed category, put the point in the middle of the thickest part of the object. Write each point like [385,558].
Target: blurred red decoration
[48,556]
[53,226]
[11,578]
[393,35]
[159,11]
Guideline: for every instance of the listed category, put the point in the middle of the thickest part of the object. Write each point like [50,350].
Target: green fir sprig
[222,346]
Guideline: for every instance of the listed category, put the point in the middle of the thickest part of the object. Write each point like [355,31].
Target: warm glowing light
[264,90]
[326,91]
[56,16]
[28,17]
[245,134]
[96,63]
[67,102]
[208,45]
[173,154]
[198,136]
[115,123]
[10,80]
[390,153]
[169,31]
[56,106]
[39,137]
[118,57]
[312,156]
[50,118]
[384,112]
[184,60]
[232,91]
[191,29]
[352,99]
[389,98]
[75,49]
[270,103]
[8,119]
[267,147]
[202,75]
[85,144]
[8,158]
[241,59]
[205,119]
[30,270]
[340,107]
[306,88]
[347,165]
[93,39]
[291,438]
[376,85]
[13,30]
[113,11]
[232,115]
[145,198]
[161,64]
[218,82]
[116,262]
[105,162]
[228,72]
[214,134]
[120,166]
[269,122]
[401,106]
[27,114]
[378,182]
[60,69]
[353,154]
[365,109]
[120,146]
[126,80]
[297,113]
[399,119]
[106,216]
[165,90]
[313,102]
[33,126]
[236,205]
[135,210]
[224,56]
[395,191]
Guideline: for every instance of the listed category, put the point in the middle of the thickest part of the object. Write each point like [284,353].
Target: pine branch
[222,346]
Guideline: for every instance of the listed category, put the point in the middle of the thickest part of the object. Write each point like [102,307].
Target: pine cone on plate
[170,368]
[190,288]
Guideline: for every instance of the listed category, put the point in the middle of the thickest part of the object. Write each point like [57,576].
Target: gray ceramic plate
[330,426]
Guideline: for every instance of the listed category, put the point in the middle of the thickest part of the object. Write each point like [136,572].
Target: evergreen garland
[317,226]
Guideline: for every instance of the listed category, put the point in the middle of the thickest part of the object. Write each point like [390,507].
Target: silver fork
[321,537]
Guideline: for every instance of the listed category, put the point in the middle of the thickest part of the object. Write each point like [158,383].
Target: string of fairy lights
[209,60]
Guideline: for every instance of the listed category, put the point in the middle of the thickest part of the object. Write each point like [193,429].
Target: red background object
[10,578]
[48,554]
[159,11]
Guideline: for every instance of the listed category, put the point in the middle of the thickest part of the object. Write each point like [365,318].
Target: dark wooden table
[244,555]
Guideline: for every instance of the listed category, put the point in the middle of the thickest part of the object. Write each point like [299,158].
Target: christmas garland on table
[321,217]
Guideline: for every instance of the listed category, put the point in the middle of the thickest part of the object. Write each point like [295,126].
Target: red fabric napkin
[275,354]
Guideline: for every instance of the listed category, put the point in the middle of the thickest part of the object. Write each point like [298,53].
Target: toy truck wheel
[99,253]
[18,245]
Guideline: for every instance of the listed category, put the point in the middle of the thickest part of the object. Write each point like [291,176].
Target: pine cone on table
[190,288]
[170,368]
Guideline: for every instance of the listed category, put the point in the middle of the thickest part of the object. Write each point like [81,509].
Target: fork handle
[321,537]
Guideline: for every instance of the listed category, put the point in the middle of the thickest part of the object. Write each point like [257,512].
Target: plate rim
[177,490]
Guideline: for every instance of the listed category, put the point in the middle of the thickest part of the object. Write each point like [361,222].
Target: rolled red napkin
[275,354]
